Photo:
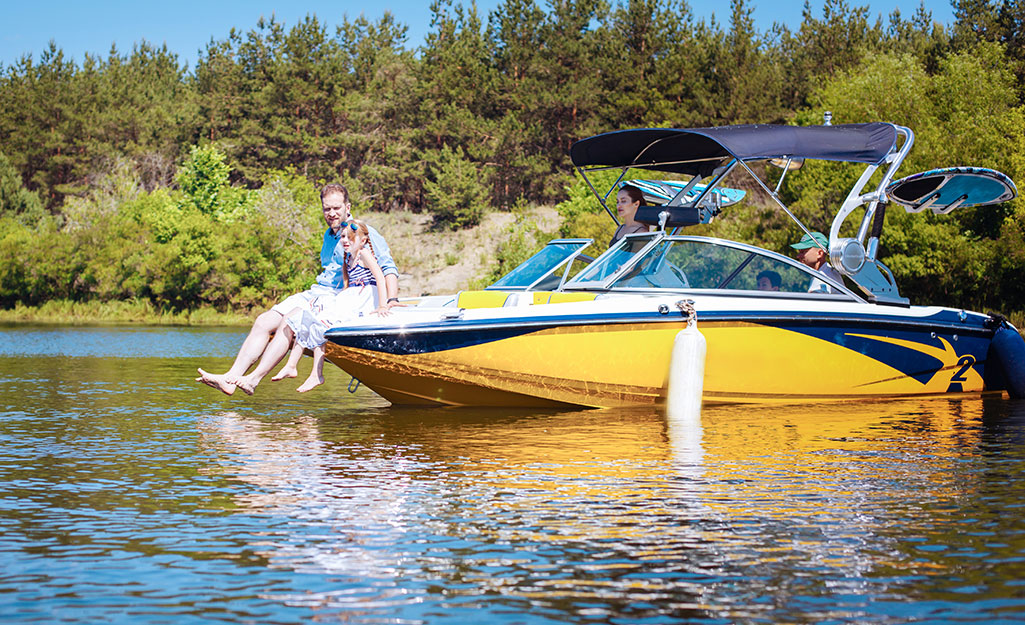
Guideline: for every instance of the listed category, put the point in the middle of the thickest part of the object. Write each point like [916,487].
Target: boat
[552,334]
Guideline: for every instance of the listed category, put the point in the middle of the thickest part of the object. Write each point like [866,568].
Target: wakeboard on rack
[943,190]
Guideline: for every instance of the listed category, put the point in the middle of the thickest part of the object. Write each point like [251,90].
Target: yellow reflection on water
[828,473]
[829,456]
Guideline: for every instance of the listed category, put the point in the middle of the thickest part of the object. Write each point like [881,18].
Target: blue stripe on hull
[436,340]
[835,328]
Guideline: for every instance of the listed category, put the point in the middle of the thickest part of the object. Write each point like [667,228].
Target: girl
[628,200]
[361,275]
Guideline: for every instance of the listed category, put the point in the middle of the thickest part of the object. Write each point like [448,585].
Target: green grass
[1017,319]
[120,312]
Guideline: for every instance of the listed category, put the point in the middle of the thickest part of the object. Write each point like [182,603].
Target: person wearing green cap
[811,250]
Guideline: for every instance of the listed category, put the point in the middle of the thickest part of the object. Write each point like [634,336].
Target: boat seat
[481,299]
[545,297]
[561,298]
[498,299]
[550,297]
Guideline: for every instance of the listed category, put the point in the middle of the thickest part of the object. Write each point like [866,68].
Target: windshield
[544,263]
[617,256]
[701,264]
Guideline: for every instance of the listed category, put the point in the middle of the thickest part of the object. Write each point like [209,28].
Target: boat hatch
[943,190]
[541,272]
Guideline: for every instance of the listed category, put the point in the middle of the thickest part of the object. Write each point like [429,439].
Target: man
[334,200]
[812,252]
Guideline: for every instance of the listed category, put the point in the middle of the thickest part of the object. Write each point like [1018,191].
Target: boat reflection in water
[834,506]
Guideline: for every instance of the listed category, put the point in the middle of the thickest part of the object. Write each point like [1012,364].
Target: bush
[16,244]
[289,207]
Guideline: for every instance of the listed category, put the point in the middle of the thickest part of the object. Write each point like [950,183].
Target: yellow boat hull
[627,364]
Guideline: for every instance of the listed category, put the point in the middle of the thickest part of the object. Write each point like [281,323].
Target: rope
[686,307]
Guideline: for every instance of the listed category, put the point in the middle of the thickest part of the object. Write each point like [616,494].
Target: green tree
[204,179]
[15,199]
[975,21]
[39,127]
[37,262]
[268,97]
[1011,20]
[919,36]
[144,109]
[63,125]
[455,193]
[517,162]
[375,115]
[221,89]
[966,114]
[655,49]
[821,47]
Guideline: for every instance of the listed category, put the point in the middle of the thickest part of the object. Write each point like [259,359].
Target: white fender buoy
[686,369]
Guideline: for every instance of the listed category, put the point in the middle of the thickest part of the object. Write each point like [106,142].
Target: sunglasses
[351,224]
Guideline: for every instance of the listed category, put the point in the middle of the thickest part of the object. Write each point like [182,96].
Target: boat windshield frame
[651,241]
[556,262]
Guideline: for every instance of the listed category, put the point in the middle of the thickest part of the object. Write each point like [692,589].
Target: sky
[186,26]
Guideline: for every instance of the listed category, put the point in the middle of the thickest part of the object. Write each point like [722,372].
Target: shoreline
[67,312]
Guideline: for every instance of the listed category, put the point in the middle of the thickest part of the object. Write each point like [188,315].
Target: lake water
[131,494]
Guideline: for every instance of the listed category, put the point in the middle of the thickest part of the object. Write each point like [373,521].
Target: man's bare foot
[248,387]
[311,383]
[286,372]
[218,382]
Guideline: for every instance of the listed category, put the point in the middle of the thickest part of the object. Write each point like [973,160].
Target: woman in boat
[361,275]
[628,200]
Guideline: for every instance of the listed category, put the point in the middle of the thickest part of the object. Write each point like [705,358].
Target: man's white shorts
[304,300]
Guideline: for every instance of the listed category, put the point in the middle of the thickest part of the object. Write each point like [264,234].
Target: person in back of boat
[628,200]
[361,275]
[811,250]
[769,280]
